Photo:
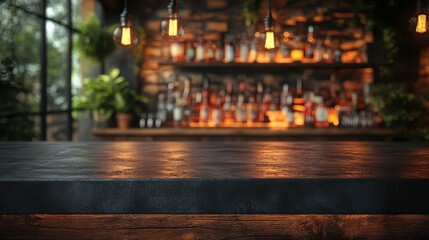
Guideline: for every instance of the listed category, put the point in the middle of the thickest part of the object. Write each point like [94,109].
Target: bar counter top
[165,160]
[220,177]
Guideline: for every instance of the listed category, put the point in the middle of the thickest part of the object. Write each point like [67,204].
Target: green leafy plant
[127,100]
[15,125]
[403,108]
[251,12]
[95,42]
[108,94]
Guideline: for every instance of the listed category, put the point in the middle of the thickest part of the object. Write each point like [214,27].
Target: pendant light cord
[268,21]
[125,5]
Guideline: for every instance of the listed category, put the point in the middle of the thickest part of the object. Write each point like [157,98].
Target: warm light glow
[297,55]
[172,28]
[333,117]
[299,119]
[421,23]
[126,36]
[277,119]
[175,51]
[269,40]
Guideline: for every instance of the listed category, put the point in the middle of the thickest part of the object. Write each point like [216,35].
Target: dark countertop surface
[208,160]
[214,177]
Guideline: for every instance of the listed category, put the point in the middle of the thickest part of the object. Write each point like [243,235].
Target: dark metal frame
[43,113]
[43,72]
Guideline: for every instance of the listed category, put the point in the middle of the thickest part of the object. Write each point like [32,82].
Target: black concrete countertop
[165,160]
[228,177]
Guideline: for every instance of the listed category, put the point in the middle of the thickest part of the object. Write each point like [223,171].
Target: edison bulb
[270,43]
[172,28]
[421,26]
[125,36]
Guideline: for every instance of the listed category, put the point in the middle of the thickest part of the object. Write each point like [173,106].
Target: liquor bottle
[199,52]
[244,49]
[217,112]
[286,104]
[337,51]
[368,108]
[298,51]
[318,52]
[253,52]
[205,102]
[195,108]
[228,104]
[149,122]
[367,94]
[142,121]
[178,112]
[251,111]
[259,102]
[344,110]
[170,102]
[219,53]
[309,44]
[187,103]
[352,119]
[328,54]
[309,109]
[321,113]
[175,51]
[190,52]
[267,99]
[229,52]
[298,105]
[210,51]
[354,101]
[161,112]
[284,47]
[274,106]
[240,110]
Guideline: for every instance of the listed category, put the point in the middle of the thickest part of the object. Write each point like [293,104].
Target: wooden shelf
[257,68]
[267,65]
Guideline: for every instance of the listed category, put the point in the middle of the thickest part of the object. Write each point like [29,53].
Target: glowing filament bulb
[172,28]
[421,23]
[126,36]
[269,40]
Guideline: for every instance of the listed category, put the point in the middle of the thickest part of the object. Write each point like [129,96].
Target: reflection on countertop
[212,160]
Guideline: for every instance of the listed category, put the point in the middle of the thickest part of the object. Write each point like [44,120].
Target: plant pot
[124,120]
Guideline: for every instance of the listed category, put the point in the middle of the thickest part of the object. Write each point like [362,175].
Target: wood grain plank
[214,226]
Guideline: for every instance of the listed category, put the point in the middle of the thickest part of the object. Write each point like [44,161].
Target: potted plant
[108,94]
[127,103]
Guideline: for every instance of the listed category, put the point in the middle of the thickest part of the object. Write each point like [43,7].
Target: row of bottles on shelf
[242,107]
[290,49]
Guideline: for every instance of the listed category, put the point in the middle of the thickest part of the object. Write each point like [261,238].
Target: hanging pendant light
[269,39]
[418,23]
[126,35]
[172,27]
